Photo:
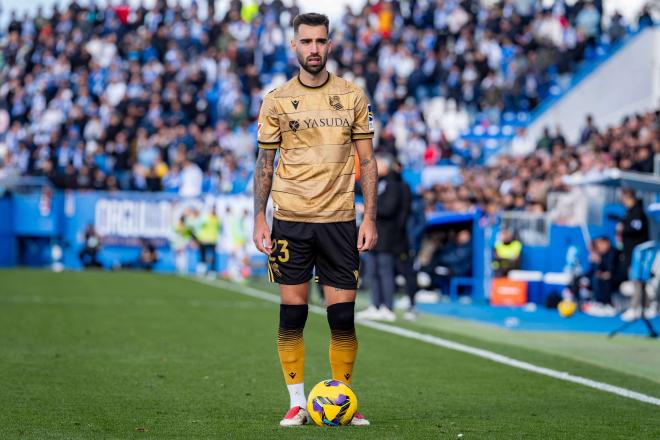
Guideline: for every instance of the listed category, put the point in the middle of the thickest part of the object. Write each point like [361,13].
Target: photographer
[89,253]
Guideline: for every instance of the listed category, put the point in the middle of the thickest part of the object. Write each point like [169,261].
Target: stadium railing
[531,228]
[23,184]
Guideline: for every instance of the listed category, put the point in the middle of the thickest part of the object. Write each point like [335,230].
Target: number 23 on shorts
[283,251]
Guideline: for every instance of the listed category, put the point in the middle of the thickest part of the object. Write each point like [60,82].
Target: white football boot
[359,420]
[296,416]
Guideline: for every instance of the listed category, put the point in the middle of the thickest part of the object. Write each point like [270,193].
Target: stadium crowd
[113,98]
[523,182]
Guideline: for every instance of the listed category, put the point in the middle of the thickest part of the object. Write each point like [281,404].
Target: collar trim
[327,80]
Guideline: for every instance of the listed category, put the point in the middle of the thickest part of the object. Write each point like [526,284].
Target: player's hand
[367,235]
[261,235]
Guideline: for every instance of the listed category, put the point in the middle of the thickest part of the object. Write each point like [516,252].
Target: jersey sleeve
[363,124]
[268,126]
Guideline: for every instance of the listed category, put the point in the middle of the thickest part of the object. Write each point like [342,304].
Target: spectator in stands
[645,18]
[644,162]
[588,130]
[617,29]
[380,263]
[545,143]
[459,260]
[446,256]
[559,140]
[521,144]
[191,179]
[115,72]
[506,255]
[588,22]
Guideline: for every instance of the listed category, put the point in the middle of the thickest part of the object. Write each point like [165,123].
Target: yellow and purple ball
[332,403]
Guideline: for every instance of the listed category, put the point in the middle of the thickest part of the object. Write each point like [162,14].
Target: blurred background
[524,137]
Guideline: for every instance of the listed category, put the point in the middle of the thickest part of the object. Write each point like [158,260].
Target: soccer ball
[332,403]
[566,308]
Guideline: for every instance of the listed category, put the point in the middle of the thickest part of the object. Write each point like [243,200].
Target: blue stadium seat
[509,117]
[508,130]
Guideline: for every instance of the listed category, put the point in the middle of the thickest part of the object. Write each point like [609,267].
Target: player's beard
[304,63]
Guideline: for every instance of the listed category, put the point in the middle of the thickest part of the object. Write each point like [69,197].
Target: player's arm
[269,138]
[362,135]
[367,236]
[263,181]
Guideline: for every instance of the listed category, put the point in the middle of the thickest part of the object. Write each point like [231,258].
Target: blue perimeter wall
[62,219]
[31,224]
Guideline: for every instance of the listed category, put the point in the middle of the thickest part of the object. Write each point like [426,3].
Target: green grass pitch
[131,355]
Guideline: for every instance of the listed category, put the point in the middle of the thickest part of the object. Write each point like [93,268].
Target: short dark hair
[311,19]
[602,238]
[628,192]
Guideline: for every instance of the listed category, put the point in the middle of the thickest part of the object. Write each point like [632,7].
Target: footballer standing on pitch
[318,122]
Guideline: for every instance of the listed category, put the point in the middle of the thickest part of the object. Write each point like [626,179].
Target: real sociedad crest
[336,103]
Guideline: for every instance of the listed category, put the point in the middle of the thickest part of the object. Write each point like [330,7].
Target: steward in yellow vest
[506,256]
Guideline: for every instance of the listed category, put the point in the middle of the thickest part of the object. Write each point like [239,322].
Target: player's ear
[293,43]
[330,46]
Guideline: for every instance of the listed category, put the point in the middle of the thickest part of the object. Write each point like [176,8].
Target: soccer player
[318,121]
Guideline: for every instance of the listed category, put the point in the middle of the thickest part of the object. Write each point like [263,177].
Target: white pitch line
[451,345]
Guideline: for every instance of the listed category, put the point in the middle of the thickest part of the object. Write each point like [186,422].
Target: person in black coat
[404,255]
[634,226]
[380,264]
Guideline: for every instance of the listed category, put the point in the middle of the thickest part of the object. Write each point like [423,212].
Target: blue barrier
[552,258]
[31,224]
[7,242]
[37,214]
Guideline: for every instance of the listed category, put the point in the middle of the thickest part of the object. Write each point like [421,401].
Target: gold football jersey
[314,129]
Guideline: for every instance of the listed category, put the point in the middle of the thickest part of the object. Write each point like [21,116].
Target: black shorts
[329,249]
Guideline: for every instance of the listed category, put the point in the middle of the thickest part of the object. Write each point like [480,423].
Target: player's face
[312,46]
